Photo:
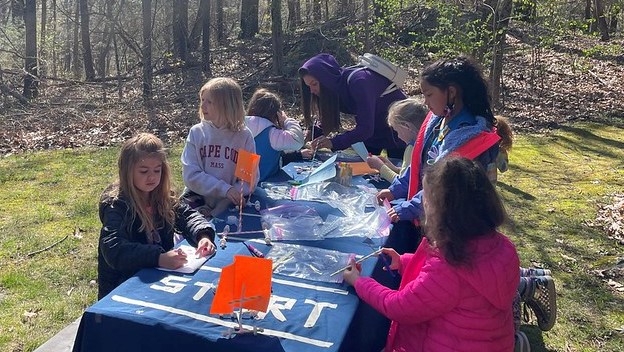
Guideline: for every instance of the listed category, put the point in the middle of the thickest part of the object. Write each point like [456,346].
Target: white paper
[361,150]
[193,262]
[324,172]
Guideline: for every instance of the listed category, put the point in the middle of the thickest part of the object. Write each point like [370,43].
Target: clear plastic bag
[306,262]
[351,201]
[292,222]
[372,224]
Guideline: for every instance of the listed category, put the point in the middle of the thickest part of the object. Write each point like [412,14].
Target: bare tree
[601,20]
[500,23]
[75,58]
[146,10]
[277,36]
[249,19]
[316,10]
[204,9]
[87,56]
[294,14]
[42,37]
[220,23]
[180,29]
[31,79]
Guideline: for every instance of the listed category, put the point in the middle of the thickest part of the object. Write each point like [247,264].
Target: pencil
[357,262]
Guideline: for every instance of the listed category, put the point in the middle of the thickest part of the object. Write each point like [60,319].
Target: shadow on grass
[520,193]
[536,339]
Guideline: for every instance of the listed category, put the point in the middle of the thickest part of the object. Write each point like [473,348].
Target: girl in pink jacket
[457,289]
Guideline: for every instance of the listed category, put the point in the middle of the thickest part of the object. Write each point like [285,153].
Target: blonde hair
[161,199]
[408,112]
[227,97]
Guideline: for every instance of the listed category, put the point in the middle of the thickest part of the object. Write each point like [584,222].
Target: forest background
[86,75]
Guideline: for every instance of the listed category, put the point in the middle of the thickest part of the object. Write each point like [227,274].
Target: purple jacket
[439,307]
[361,97]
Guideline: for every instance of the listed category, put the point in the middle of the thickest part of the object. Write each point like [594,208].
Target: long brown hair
[460,204]
[326,105]
[266,104]
[161,198]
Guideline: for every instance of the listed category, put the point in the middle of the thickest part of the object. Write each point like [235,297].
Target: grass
[553,189]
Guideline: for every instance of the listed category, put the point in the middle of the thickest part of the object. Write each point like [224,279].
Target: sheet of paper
[361,168]
[324,172]
[360,149]
[192,261]
[247,166]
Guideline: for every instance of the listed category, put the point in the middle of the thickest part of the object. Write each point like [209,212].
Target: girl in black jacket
[140,216]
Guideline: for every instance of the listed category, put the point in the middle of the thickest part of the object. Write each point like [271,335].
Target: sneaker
[525,272]
[541,297]
[522,342]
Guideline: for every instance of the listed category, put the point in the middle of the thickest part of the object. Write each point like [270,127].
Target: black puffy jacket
[123,250]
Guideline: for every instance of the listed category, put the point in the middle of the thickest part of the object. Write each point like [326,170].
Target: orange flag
[247,166]
[245,283]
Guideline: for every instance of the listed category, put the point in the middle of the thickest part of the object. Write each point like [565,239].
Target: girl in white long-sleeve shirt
[211,150]
[272,130]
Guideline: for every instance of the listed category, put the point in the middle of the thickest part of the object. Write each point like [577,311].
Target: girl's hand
[395,257]
[384,194]
[306,153]
[173,259]
[394,217]
[205,248]
[234,195]
[353,273]
[374,162]
[281,118]
[321,142]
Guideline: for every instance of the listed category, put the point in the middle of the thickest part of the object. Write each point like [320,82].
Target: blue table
[164,311]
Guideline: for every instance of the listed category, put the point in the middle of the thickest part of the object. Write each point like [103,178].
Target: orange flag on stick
[247,166]
[246,283]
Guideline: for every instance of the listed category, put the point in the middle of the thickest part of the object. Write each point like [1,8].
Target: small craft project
[193,262]
[246,171]
[305,173]
[361,150]
[244,284]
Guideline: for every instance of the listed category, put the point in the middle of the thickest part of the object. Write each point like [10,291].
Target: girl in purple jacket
[457,289]
[327,89]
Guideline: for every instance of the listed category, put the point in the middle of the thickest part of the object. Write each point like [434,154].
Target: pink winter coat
[440,307]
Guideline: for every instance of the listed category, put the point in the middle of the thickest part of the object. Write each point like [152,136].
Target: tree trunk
[294,14]
[197,29]
[75,60]
[316,10]
[277,36]
[146,6]
[42,38]
[17,11]
[204,9]
[366,16]
[87,56]
[31,81]
[180,29]
[249,19]
[601,21]
[220,24]
[501,18]
[54,40]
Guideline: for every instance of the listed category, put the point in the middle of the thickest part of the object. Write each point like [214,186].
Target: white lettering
[275,308]
[205,287]
[170,285]
[316,311]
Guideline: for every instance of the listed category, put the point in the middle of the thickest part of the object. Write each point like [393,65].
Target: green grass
[553,189]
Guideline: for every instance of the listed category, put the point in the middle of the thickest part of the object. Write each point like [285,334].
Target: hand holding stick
[357,262]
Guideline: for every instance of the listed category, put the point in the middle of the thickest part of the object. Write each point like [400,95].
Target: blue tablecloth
[164,311]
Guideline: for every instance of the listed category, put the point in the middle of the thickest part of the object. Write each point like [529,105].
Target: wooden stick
[357,262]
